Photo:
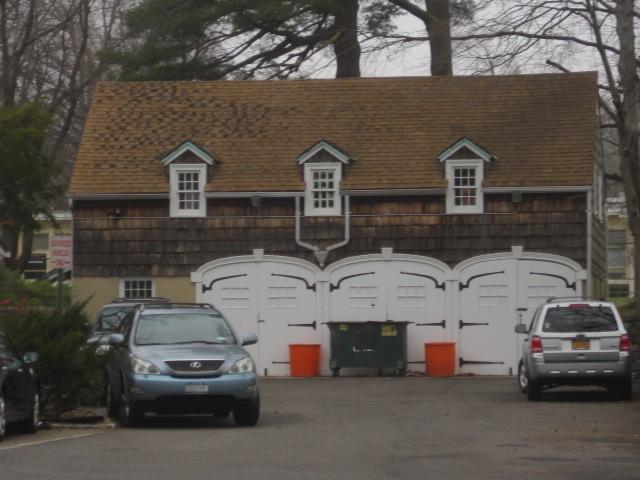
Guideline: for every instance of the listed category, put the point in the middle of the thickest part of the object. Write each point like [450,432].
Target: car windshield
[580,319]
[183,328]
[110,318]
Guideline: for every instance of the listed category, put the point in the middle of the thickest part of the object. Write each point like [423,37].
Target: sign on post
[61,252]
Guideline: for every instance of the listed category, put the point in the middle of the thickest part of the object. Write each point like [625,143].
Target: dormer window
[323,164]
[464,169]
[187,179]
[187,190]
[322,193]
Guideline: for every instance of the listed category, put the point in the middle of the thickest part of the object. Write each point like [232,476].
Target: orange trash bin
[304,360]
[440,358]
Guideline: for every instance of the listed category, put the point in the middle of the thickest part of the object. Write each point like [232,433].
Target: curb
[78,426]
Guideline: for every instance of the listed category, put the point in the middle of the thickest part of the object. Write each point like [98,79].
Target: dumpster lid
[366,322]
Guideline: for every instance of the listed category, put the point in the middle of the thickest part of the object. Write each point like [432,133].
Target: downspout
[589,243]
[321,255]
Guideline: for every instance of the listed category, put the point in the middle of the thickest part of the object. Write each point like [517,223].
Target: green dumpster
[369,345]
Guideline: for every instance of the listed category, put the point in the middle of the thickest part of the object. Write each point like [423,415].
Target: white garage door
[494,295]
[276,299]
[400,290]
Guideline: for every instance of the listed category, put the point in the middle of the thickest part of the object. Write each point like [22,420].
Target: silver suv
[575,343]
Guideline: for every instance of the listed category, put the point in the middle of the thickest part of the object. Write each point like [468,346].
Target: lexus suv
[575,343]
[173,358]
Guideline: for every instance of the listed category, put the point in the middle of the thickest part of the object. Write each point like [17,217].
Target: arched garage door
[273,296]
[400,288]
[495,292]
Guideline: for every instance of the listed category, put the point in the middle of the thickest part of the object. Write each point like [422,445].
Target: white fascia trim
[395,192]
[465,142]
[188,147]
[560,189]
[322,145]
[119,196]
[253,194]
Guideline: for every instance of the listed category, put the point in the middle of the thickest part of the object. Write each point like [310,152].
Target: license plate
[580,344]
[196,388]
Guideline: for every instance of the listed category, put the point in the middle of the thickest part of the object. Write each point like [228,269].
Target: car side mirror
[30,357]
[116,339]
[521,328]
[249,339]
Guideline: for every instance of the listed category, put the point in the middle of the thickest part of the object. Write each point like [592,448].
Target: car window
[584,318]
[183,328]
[533,319]
[110,318]
[8,354]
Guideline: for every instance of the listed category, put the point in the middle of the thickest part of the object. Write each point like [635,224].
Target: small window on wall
[187,190]
[322,193]
[136,288]
[464,194]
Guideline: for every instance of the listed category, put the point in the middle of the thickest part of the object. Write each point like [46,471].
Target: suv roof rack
[140,300]
[159,305]
[584,299]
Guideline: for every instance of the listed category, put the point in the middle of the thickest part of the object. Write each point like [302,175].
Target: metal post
[60,291]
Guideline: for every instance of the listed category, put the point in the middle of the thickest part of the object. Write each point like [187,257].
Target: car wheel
[3,418]
[32,422]
[523,379]
[131,415]
[111,403]
[531,388]
[247,414]
[624,389]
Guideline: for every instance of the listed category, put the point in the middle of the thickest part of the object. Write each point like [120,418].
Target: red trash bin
[304,360]
[440,358]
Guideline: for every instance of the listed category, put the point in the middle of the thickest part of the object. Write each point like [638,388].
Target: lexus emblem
[195,365]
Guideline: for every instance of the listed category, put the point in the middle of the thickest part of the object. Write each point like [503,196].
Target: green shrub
[69,371]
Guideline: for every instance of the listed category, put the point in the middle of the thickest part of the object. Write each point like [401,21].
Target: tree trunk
[628,128]
[438,23]
[346,46]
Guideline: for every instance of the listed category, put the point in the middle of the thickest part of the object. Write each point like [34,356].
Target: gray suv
[575,343]
[177,359]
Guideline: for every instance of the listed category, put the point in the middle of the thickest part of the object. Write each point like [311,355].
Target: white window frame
[174,172]
[123,281]
[309,170]
[478,165]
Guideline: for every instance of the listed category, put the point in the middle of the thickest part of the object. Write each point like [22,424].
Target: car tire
[111,403]
[130,414]
[624,389]
[3,417]
[247,414]
[32,422]
[531,388]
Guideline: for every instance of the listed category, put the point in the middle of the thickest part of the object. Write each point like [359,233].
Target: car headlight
[144,367]
[244,365]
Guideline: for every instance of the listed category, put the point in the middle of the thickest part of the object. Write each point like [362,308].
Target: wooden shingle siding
[144,241]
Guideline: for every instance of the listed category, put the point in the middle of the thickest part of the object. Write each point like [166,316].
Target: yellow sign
[344,327]
[389,331]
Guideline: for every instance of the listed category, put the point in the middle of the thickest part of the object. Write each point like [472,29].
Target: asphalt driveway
[364,428]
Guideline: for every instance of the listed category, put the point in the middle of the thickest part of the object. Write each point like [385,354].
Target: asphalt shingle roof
[539,128]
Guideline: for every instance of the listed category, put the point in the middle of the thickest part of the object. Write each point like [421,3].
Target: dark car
[19,400]
[111,315]
[179,359]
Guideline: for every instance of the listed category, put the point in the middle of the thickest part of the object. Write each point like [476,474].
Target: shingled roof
[538,128]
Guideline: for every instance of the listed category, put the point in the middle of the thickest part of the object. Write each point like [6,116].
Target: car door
[120,355]
[17,380]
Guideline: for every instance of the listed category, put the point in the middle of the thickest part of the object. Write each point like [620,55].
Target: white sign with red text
[61,247]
